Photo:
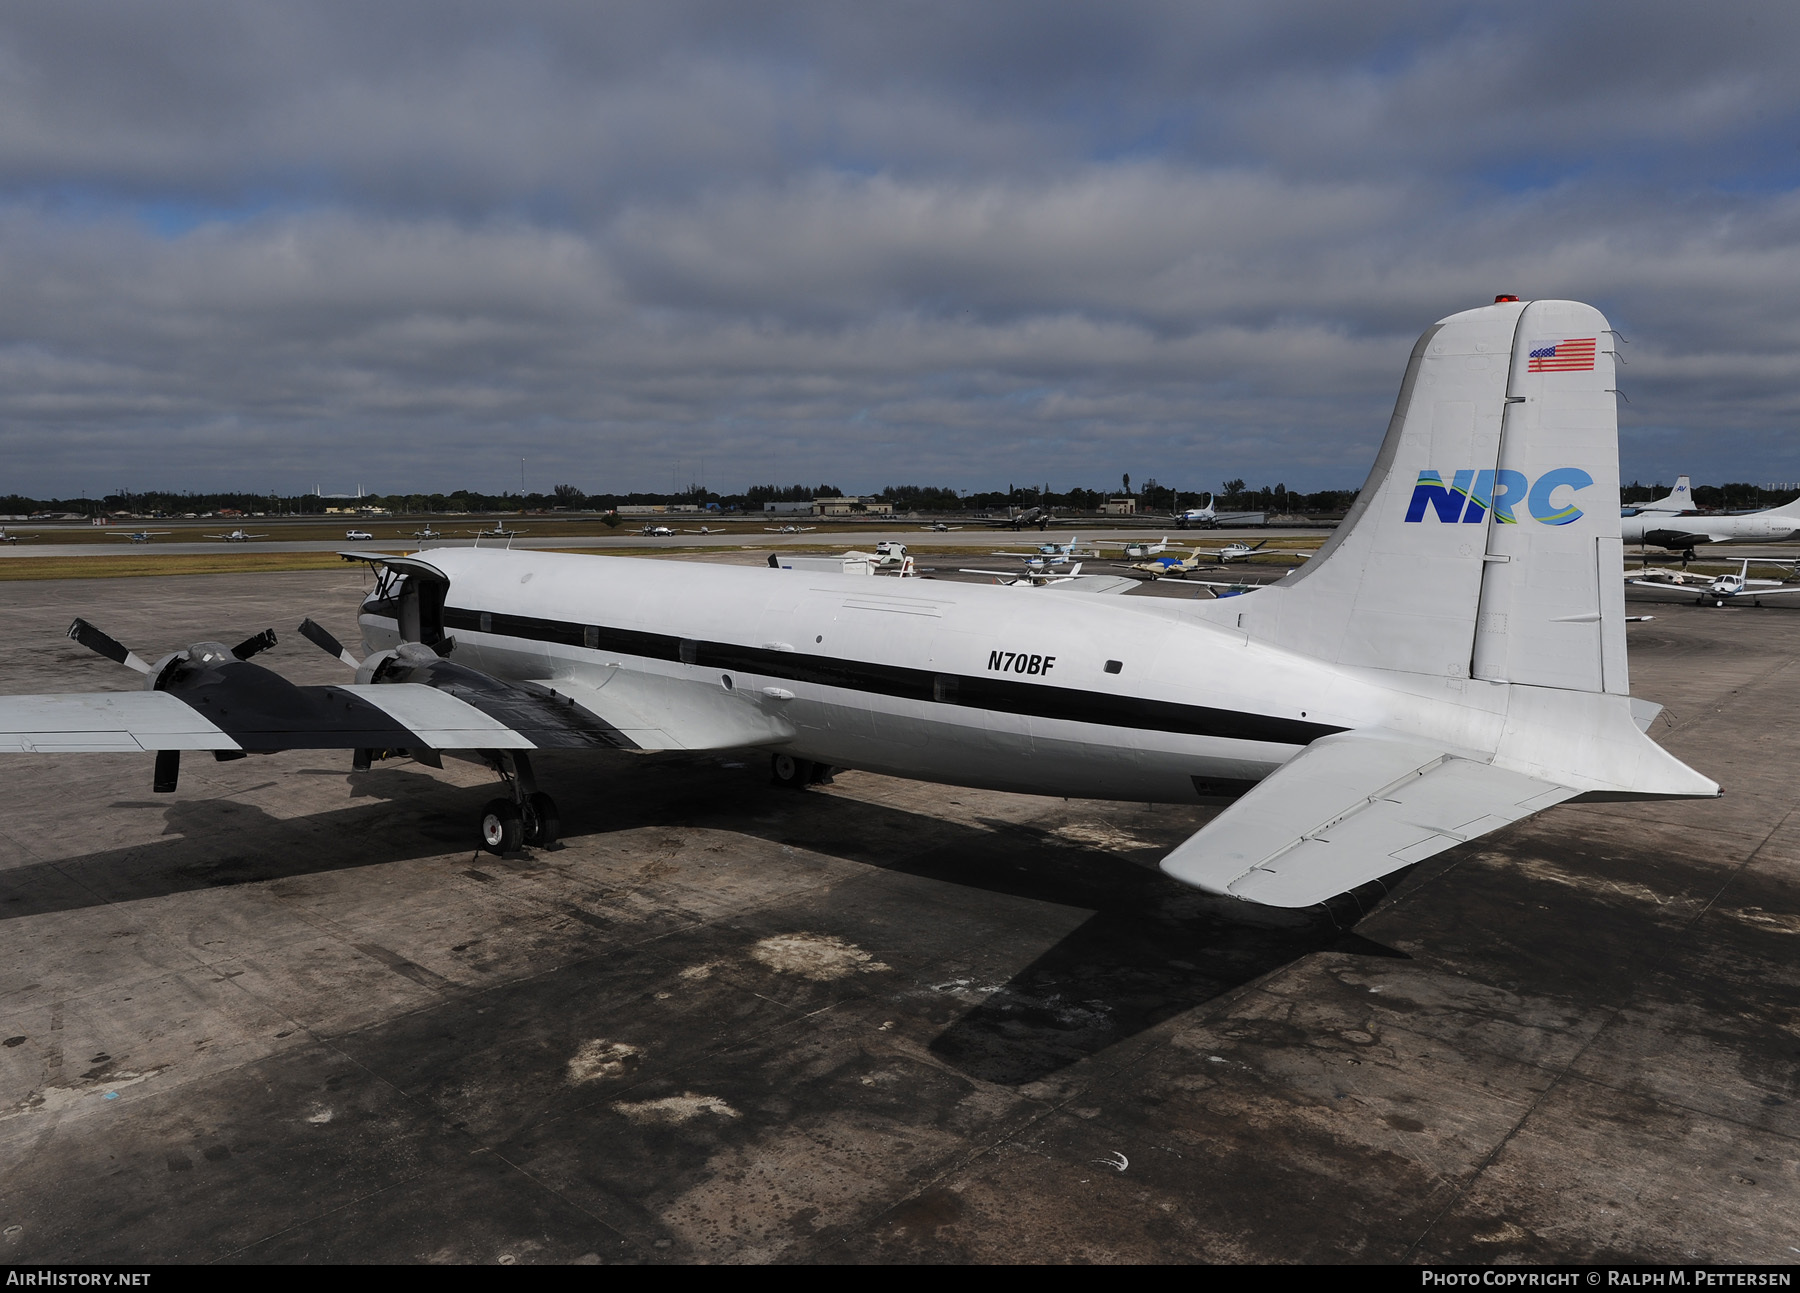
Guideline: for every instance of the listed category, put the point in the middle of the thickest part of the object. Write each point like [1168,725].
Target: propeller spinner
[168,762]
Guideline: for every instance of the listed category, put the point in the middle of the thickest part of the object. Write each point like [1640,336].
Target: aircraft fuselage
[1005,688]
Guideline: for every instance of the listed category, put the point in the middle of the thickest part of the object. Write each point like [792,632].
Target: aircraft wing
[245,715]
[1096,583]
[1676,538]
[1349,809]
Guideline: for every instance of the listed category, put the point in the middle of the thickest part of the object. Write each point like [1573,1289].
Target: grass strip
[120,566]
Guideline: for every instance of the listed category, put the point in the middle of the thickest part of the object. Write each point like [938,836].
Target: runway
[287,1015]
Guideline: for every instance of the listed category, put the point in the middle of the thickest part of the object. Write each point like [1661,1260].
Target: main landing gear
[529,817]
[798,774]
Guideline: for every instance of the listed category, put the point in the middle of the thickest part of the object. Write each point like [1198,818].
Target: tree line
[1151,496]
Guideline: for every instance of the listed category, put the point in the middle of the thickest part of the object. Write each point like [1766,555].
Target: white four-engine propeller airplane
[1683,533]
[1434,674]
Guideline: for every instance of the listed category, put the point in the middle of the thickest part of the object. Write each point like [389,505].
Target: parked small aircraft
[939,527]
[1170,566]
[141,536]
[237,536]
[498,532]
[1054,554]
[1234,552]
[1719,589]
[1030,578]
[1134,549]
[789,529]
[428,533]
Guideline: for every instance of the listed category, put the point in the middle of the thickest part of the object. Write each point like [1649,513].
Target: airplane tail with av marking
[1678,500]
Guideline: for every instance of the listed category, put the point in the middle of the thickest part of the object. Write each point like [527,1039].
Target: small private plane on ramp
[1453,659]
[1731,586]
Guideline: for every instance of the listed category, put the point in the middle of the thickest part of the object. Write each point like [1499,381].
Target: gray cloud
[405,245]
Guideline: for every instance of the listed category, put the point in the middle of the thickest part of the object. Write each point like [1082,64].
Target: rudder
[1493,503]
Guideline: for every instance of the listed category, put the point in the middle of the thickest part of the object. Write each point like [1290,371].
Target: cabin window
[590,637]
[1114,666]
[689,651]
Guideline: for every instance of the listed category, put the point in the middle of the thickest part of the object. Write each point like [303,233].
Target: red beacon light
[1498,300]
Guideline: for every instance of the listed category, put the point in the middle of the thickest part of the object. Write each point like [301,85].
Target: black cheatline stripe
[1037,700]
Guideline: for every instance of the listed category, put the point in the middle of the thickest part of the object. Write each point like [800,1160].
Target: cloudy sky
[403,245]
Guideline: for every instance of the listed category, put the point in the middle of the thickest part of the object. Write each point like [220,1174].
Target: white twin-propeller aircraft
[1453,659]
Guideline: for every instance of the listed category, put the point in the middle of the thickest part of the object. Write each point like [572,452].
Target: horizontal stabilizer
[1349,809]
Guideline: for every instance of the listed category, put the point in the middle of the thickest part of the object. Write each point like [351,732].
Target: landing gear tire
[542,824]
[795,774]
[1718,601]
[502,829]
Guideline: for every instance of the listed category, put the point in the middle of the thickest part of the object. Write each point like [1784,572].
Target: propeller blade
[250,646]
[320,637]
[94,640]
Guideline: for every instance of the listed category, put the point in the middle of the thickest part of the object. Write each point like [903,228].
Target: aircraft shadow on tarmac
[1151,948]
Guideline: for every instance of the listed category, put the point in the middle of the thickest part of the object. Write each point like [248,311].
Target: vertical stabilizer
[1493,505]
[1680,499]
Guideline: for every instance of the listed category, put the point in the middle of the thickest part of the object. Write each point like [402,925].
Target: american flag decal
[1574,355]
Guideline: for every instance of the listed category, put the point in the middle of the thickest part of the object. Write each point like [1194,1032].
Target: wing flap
[1349,809]
[438,719]
[664,713]
[108,722]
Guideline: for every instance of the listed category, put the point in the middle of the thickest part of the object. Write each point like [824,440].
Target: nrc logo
[1472,494]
